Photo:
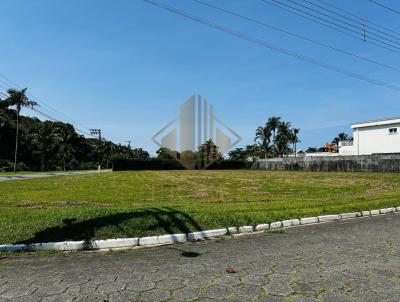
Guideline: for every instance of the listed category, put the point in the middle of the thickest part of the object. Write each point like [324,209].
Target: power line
[385,6]
[362,22]
[329,26]
[361,26]
[358,17]
[311,17]
[55,120]
[40,102]
[360,36]
[48,116]
[272,47]
[296,35]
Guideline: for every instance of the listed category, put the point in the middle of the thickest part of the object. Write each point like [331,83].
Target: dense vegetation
[31,144]
[48,145]
[276,138]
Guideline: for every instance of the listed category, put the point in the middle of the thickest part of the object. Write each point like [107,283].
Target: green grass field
[129,204]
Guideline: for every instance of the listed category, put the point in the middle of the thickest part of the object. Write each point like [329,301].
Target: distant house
[373,137]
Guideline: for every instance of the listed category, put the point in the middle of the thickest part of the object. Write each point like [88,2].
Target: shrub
[5,165]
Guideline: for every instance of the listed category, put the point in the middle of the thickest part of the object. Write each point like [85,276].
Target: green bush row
[121,164]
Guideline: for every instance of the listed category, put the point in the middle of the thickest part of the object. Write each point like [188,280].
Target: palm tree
[263,137]
[253,151]
[283,138]
[273,123]
[294,139]
[18,99]
[341,137]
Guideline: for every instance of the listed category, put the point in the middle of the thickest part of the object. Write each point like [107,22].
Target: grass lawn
[130,204]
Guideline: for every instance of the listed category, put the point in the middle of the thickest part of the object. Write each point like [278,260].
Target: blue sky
[126,66]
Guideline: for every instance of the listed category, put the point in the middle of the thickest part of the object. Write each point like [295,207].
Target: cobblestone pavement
[354,260]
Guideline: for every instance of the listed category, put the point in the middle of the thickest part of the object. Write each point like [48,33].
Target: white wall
[376,139]
[347,150]
[311,154]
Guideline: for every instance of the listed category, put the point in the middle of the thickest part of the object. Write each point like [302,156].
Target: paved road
[354,260]
[47,174]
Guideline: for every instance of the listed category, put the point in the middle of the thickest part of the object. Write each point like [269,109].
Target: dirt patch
[378,188]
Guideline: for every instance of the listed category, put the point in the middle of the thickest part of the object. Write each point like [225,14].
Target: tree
[294,139]
[64,149]
[283,138]
[66,133]
[341,137]
[253,151]
[3,114]
[237,154]
[263,138]
[18,99]
[46,139]
[164,153]
[108,150]
[312,150]
[250,151]
[139,153]
[206,154]
[273,123]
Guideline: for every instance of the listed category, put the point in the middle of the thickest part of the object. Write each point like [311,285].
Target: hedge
[146,164]
[230,164]
[170,164]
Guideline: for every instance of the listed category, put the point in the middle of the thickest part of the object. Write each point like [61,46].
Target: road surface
[45,174]
[353,260]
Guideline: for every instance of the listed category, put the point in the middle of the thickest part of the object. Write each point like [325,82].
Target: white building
[371,137]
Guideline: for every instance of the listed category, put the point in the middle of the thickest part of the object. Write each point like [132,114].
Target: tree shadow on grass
[167,219]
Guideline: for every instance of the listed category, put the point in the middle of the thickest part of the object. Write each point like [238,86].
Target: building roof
[378,122]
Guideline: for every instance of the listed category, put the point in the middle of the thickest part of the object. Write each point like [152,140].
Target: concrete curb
[206,234]
[113,243]
[262,227]
[194,236]
[246,229]
[308,220]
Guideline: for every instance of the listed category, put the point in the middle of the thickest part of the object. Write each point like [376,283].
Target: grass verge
[140,203]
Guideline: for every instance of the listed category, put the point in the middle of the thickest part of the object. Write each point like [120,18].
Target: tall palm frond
[18,99]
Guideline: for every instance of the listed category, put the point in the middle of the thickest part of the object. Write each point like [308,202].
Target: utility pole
[129,144]
[97,132]
[364,29]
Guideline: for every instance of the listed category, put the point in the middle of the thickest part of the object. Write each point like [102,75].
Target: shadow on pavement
[167,219]
[190,254]
[184,253]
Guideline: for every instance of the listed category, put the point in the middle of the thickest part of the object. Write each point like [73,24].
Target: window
[392,130]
